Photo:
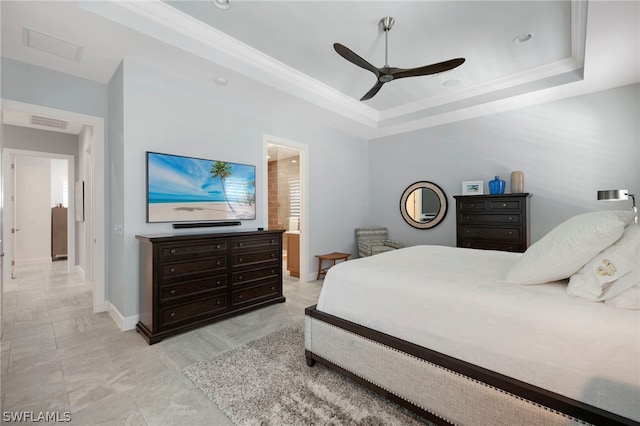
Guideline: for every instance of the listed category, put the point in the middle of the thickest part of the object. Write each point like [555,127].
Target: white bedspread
[453,301]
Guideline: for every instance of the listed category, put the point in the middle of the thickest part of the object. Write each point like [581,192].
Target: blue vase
[496,186]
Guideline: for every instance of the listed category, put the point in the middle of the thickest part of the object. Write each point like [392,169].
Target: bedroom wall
[165,113]
[568,149]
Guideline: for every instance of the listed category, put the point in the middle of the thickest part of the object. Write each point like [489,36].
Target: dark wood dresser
[189,280]
[493,222]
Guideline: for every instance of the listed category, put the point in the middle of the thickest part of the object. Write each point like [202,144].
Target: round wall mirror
[423,205]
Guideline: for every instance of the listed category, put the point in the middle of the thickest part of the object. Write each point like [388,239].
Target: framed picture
[473,187]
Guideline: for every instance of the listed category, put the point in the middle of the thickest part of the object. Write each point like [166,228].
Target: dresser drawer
[504,234]
[177,269]
[492,245]
[191,250]
[255,294]
[472,205]
[504,204]
[267,241]
[238,259]
[172,315]
[481,219]
[175,292]
[250,275]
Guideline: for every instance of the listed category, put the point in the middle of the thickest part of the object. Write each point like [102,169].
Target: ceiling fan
[387,73]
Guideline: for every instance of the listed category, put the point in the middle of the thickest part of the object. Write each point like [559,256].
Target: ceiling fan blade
[371,93]
[428,69]
[354,58]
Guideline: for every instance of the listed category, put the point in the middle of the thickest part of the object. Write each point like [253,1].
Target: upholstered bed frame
[438,387]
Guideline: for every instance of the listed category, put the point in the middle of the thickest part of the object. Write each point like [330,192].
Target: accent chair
[374,240]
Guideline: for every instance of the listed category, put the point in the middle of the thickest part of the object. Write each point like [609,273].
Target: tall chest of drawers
[190,280]
[493,222]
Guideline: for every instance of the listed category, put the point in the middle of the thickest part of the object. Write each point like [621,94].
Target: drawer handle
[240,277]
[239,296]
[273,271]
[272,255]
[472,205]
[467,230]
[510,232]
[272,241]
[273,288]
[217,302]
[240,260]
[467,218]
[504,204]
[219,246]
[172,314]
[218,263]
[172,270]
[172,251]
[218,282]
[173,291]
[510,217]
[239,244]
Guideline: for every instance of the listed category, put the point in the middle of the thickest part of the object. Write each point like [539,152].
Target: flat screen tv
[188,189]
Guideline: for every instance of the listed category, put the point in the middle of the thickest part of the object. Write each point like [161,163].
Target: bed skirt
[437,387]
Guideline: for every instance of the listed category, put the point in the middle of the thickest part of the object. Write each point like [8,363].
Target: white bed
[456,302]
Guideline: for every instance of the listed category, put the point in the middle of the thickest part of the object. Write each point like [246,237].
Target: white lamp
[619,194]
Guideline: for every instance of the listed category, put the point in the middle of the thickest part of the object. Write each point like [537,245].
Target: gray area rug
[267,382]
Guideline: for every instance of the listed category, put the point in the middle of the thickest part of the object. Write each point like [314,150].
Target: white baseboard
[80,271]
[125,324]
[33,261]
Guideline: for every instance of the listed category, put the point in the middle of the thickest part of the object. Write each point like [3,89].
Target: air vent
[50,44]
[49,122]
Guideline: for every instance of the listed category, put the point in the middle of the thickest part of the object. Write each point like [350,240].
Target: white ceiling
[279,50]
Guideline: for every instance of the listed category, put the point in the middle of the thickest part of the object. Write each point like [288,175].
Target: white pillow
[629,299]
[569,246]
[613,271]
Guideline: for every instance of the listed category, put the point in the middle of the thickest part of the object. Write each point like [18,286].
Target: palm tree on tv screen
[222,170]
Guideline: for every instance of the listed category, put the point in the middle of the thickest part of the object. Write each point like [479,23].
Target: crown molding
[160,21]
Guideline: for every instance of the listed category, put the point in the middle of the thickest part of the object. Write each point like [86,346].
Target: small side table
[332,257]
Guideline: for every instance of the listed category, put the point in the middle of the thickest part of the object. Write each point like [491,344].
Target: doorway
[42,230]
[92,244]
[285,189]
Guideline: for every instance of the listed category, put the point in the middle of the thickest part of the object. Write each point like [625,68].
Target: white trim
[80,272]
[98,190]
[33,261]
[125,324]
[305,272]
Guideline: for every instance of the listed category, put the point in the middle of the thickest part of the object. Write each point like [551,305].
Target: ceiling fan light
[222,4]
[522,38]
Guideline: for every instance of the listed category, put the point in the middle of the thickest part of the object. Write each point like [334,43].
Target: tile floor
[58,356]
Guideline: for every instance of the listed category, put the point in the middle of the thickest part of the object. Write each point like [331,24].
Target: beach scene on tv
[186,189]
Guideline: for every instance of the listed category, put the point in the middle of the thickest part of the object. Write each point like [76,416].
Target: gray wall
[165,113]
[17,137]
[27,83]
[567,149]
[115,267]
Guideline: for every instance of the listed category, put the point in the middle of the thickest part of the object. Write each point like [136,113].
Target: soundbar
[204,224]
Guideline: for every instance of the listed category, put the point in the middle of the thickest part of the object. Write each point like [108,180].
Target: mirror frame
[441,197]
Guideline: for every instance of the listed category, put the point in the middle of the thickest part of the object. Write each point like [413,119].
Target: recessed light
[222,4]
[450,83]
[522,38]
[221,81]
